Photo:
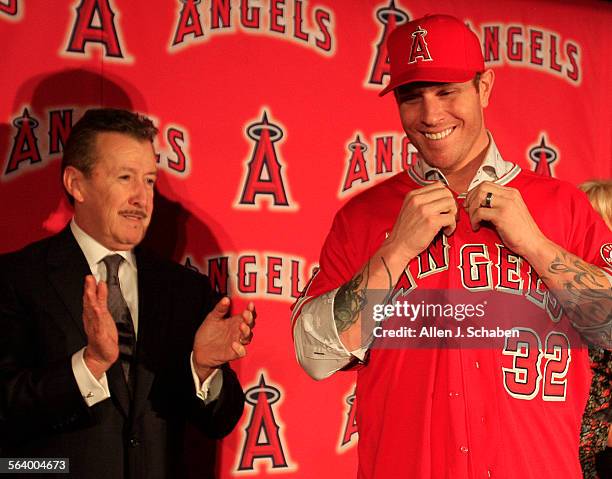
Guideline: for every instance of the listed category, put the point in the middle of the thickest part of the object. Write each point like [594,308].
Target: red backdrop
[269,119]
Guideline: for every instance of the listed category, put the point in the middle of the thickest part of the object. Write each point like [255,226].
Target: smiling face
[444,121]
[115,202]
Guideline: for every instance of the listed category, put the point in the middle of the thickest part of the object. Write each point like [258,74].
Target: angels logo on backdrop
[357,169]
[349,434]
[25,151]
[543,155]
[393,152]
[94,23]
[284,20]
[263,439]
[9,7]
[534,47]
[25,144]
[262,179]
[274,276]
[389,17]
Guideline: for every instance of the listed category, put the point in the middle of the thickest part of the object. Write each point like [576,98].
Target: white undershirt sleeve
[318,347]
[210,389]
[92,390]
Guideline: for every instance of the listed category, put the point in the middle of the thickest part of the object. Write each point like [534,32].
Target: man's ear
[487,78]
[74,182]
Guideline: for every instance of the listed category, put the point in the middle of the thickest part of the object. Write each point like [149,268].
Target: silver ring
[487,202]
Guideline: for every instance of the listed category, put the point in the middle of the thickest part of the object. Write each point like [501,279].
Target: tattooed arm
[373,283]
[583,290]
[327,327]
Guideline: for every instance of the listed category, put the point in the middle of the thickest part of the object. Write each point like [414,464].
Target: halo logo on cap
[419,46]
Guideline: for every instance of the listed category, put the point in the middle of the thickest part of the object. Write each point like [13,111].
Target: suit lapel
[67,268]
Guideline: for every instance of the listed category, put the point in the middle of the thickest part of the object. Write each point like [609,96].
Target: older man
[106,352]
[461,220]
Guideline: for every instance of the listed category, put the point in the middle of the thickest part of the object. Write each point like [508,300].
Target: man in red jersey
[461,219]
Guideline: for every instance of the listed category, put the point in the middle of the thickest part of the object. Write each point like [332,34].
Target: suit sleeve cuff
[210,388]
[92,390]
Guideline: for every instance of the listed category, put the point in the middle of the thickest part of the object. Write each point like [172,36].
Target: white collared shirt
[92,390]
[493,167]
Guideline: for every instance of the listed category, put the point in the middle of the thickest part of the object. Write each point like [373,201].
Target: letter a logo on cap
[419,46]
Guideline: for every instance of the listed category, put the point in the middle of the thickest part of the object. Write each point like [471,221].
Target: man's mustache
[139,213]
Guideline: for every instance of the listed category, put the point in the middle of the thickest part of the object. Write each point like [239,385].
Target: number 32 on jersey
[536,368]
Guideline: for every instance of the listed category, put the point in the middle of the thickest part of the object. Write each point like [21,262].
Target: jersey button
[464,449]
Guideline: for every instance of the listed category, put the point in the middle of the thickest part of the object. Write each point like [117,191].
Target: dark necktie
[118,309]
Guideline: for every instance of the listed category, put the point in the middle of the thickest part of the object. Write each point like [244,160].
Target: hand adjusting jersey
[461,413]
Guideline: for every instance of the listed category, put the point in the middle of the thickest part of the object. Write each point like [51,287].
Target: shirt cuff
[318,323]
[210,389]
[317,344]
[92,390]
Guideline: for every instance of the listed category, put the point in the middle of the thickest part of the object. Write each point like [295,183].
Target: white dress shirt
[92,390]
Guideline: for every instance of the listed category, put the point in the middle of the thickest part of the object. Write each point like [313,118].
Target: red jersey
[511,412]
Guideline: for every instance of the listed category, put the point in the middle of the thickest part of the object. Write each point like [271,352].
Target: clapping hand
[219,340]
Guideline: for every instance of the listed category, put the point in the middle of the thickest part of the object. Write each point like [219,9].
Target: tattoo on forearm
[351,299]
[578,272]
[585,296]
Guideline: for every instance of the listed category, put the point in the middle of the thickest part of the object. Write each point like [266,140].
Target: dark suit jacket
[42,412]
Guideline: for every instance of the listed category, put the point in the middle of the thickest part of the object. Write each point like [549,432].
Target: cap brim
[438,75]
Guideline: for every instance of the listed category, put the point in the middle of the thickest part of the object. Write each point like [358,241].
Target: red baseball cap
[436,48]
